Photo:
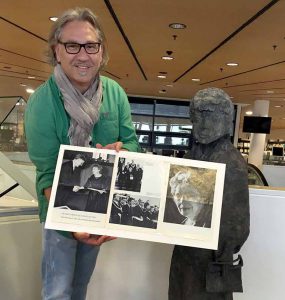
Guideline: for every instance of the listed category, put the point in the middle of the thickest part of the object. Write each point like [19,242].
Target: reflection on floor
[7,201]
[10,206]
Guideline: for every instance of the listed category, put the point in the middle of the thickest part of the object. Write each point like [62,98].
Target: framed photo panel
[137,196]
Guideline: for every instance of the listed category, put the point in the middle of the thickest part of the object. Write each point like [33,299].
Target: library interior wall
[137,270]
[20,254]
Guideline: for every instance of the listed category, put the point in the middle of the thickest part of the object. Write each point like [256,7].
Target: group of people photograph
[133,211]
[129,176]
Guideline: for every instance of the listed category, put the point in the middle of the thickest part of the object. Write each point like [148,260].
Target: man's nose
[82,53]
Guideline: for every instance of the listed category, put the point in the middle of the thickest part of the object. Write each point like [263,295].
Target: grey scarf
[83,109]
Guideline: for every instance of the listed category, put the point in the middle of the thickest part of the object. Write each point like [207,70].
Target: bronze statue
[211,112]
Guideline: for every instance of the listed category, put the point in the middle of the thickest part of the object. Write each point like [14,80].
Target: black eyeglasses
[74,48]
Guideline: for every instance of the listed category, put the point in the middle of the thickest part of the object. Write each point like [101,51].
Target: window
[161,124]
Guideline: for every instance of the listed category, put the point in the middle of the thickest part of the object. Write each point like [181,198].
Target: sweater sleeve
[43,144]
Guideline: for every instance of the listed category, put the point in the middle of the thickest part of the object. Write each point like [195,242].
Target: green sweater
[47,124]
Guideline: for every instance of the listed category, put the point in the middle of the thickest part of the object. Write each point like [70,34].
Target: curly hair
[216,100]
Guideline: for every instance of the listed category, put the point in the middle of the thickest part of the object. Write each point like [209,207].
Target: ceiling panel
[208,42]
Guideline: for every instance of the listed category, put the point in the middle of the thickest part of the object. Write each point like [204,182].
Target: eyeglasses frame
[80,46]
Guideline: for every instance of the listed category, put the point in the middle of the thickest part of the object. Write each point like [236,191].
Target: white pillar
[236,129]
[257,141]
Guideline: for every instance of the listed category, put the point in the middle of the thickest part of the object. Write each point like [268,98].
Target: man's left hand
[115,146]
[91,239]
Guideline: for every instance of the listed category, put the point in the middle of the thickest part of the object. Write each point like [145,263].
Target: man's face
[208,125]
[80,68]
[78,162]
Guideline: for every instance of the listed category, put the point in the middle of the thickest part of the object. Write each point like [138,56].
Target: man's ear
[101,56]
[57,53]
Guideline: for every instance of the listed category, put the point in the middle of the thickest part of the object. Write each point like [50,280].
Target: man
[74,106]
[211,113]
[138,178]
[136,213]
[69,179]
[126,212]
[116,211]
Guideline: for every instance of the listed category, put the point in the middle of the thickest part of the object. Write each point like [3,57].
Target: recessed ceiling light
[231,97]
[177,26]
[166,57]
[169,85]
[31,77]
[232,64]
[270,92]
[277,105]
[196,79]
[54,19]
[30,91]
[162,91]
[161,76]
[249,112]
[22,84]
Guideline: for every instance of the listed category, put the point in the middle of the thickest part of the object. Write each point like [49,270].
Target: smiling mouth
[82,70]
[83,67]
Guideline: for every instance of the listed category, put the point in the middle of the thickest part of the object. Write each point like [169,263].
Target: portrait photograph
[190,194]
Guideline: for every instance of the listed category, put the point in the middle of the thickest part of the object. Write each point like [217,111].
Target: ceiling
[251,33]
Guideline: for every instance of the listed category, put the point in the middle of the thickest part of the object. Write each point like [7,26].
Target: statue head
[211,113]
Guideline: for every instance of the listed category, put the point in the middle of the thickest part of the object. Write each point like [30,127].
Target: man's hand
[115,146]
[76,188]
[91,239]
[47,193]
[102,192]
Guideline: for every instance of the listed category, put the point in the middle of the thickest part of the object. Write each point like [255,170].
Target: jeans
[67,266]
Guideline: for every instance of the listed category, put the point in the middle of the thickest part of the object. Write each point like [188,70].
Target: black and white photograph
[173,200]
[133,210]
[84,181]
[129,175]
[190,195]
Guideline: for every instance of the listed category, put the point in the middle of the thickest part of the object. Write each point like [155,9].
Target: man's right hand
[91,239]
[47,193]
[76,188]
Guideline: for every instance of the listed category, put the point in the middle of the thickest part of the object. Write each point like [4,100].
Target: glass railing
[12,138]
[17,174]
[17,188]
